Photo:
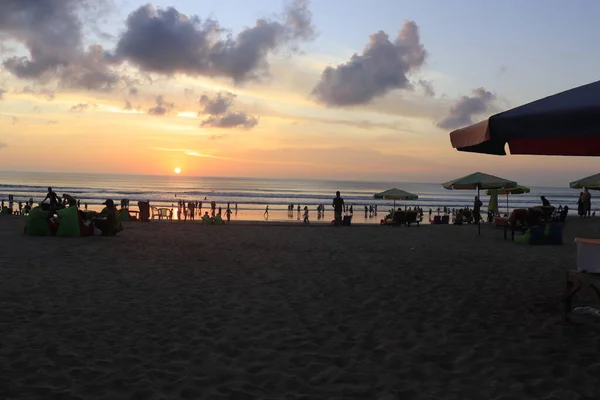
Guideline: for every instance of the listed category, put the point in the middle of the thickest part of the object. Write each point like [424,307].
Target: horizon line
[237,177]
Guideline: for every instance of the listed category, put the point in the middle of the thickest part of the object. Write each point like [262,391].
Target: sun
[177,170]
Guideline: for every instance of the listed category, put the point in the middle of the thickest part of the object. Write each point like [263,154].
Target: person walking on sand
[266,214]
[306,221]
[228,214]
[338,207]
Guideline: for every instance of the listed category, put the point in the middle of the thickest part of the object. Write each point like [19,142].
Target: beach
[279,311]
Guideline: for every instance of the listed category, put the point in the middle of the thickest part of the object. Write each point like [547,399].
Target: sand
[265,311]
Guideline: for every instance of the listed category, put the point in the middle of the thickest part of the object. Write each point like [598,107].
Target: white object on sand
[587,310]
[588,255]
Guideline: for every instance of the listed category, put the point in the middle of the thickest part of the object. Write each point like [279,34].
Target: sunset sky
[335,89]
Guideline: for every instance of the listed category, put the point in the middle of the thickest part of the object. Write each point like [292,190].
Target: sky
[349,90]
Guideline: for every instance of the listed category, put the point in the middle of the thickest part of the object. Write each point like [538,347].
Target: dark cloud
[90,70]
[427,87]
[219,104]
[49,29]
[231,120]
[45,93]
[2,91]
[162,107]
[133,91]
[383,66]
[52,32]
[81,107]
[167,42]
[3,145]
[465,108]
[127,105]
[220,116]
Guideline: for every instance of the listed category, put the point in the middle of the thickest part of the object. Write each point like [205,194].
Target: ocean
[252,195]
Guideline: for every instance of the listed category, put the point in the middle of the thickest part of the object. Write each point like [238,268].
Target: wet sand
[186,311]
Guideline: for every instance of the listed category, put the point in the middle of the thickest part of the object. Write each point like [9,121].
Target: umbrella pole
[479,216]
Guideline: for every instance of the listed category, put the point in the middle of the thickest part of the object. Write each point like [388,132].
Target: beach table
[576,282]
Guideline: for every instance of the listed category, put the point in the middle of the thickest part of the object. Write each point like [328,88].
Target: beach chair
[412,217]
[548,213]
[399,218]
[161,213]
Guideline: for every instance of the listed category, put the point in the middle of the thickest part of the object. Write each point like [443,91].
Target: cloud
[52,32]
[503,70]
[220,116]
[45,93]
[162,107]
[231,120]
[216,137]
[133,91]
[465,108]
[79,108]
[2,91]
[167,42]
[382,67]
[427,87]
[220,104]
[15,120]
[3,145]
[52,122]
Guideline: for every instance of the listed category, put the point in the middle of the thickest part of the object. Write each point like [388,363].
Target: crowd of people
[192,209]
[185,210]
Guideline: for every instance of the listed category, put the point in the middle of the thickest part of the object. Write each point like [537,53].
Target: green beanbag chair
[218,219]
[68,222]
[124,214]
[523,239]
[37,223]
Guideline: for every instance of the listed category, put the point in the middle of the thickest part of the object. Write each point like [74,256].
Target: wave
[250,195]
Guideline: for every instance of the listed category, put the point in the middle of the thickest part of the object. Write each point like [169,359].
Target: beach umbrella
[564,124]
[395,194]
[518,189]
[478,181]
[591,182]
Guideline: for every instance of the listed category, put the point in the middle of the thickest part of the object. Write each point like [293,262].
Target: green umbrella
[518,189]
[590,182]
[478,181]
[395,194]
